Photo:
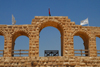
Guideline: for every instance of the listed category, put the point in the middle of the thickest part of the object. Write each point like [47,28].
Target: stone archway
[2,41]
[85,38]
[55,25]
[97,46]
[16,35]
[1,33]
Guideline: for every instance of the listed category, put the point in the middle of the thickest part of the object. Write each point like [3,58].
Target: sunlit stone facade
[67,29]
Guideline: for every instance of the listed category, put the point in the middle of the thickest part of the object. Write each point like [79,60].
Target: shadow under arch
[1,34]
[16,35]
[55,25]
[85,38]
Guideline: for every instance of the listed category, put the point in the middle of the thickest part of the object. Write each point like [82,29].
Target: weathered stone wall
[67,29]
[60,61]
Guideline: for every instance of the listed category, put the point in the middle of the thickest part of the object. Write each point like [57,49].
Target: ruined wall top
[61,19]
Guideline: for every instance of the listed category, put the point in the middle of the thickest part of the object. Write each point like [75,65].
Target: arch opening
[54,25]
[79,39]
[98,45]
[1,45]
[20,44]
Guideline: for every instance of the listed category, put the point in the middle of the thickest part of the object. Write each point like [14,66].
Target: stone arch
[85,37]
[19,33]
[16,35]
[1,34]
[97,37]
[54,24]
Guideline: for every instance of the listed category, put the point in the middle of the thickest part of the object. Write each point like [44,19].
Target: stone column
[92,47]
[34,45]
[68,44]
[8,45]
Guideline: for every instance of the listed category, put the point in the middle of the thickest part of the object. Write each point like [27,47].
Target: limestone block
[82,64]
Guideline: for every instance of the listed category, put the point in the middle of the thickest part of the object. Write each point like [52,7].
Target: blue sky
[25,10]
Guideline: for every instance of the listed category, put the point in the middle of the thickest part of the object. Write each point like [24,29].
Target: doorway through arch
[50,39]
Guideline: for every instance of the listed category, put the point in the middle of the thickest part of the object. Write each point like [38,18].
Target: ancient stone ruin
[67,29]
